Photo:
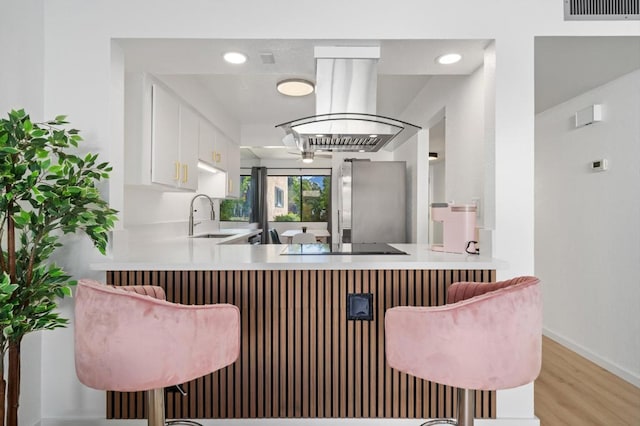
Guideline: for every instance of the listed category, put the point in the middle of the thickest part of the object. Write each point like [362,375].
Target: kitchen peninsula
[301,355]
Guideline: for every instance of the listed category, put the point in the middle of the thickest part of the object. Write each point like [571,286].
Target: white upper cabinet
[218,151]
[174,141]
[222,142]
[227,184]
[189,134]
[233,170]
[165,138]
[165,133]
[207,143]
[213,146]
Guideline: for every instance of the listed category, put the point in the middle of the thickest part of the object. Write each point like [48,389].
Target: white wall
[486,211]
[21,83]
[587,240]
[462,98]
[22,42]
[78,82]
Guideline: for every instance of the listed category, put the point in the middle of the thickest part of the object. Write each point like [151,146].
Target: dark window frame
[247,201]
[301,196]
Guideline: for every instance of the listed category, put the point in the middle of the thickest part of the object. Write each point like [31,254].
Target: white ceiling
[564,68]
[249,93]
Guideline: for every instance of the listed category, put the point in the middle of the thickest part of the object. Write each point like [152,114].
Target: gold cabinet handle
[177,175]
[185,173]
[213,156]
[218,157]
[230,185]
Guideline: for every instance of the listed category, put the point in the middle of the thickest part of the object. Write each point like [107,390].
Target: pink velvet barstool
[130,339]
[487,337]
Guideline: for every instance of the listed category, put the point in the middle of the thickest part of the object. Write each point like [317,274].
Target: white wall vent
[588,115]
[601,10]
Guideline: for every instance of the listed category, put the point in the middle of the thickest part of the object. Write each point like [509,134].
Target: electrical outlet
[360,306]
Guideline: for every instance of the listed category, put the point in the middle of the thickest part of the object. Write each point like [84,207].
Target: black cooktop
[337,249]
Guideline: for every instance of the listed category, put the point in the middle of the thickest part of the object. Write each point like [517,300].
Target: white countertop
[184,253]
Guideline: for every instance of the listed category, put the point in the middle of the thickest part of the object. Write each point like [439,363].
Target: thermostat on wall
[599,165]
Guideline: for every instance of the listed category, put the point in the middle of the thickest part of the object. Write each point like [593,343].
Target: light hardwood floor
[572,390]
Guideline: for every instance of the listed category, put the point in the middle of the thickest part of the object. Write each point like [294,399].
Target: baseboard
[584,352]
[287,422]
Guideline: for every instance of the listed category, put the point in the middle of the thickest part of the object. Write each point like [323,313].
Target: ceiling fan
[308,156]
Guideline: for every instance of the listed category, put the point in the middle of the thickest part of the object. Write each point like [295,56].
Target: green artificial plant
[47,190]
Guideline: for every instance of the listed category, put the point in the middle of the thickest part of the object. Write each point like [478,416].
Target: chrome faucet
[213,213]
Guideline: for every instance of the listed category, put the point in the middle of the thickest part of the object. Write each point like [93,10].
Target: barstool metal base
[440,422]
[466,411]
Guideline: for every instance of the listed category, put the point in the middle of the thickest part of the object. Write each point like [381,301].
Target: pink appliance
[458,227]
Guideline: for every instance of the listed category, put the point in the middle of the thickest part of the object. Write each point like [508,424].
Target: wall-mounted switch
[599,165]
[360,306]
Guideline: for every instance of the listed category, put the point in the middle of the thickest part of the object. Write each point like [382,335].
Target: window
[289,199]
[306,198]
[279,197]
[238,210]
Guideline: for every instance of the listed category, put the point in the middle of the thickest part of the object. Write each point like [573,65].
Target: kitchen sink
[213,235]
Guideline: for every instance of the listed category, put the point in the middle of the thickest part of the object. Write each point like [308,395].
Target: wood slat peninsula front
[300,356]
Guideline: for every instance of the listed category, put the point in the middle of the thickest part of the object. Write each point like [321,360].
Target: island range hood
[346,120]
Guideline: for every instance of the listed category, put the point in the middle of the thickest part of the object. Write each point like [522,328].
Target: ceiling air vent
[601,10]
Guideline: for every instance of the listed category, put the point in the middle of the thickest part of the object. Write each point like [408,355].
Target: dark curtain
[259,201]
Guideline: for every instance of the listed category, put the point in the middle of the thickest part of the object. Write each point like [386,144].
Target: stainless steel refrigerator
[372,202]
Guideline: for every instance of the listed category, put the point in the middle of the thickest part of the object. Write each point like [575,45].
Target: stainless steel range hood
[346,120]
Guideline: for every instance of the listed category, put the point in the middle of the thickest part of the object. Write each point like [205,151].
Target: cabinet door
[206,143]
[222,143]
[165,128]
[189,133]
[233,170]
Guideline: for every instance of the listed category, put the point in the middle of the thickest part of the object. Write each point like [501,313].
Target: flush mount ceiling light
[235,57]
[449,58]
[295,87]
[433,156]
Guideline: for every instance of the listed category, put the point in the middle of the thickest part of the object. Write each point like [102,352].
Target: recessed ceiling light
[235,57]
[295,87]
[449,58]
[373,136]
